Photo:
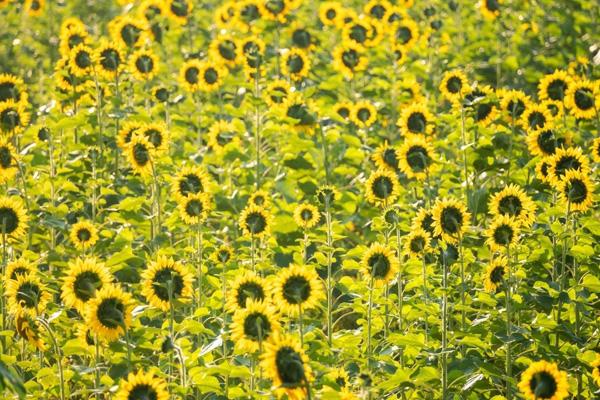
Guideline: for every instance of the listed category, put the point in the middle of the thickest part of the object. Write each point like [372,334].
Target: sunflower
[18,267]
[86,337]
[141,386]
[211,76]
[27,295]
[166,281]
[140,152]
[255,221]
[30,330]
[190,180]
[251,50]
[490,9]
[84,278]
[295,64]
[285,363]
[179,10]
[34,8]
[253,325]
[72,36]
[405,32]
[379,263]
[274,10]
[129,32]
[297,108]
[416,156]
[13,117]
[576,188]
[571,158]
[157,135]
[223,254]
[143,64]
[12,88]
[544,142]
[110,59]
[596,150]
[386,157]
[247,11]
[109,312]
[392,214]
[348,59]
[246,286]
[306,215]
[364,114]
[554,86]
[541,169]
[66,82]
[276,92]
[596,370]
[301,37]
[127,131]
[225,15]
[480,101]
[454,86]
[224,49]
[326,195]
[342,110]
[13,218]
[83,235]
[418,243]
[377,9]
[260,198]
[536,117]
[9,160]
[194,208]
[330,13]
[297,287]
[382,187]
[161,94]
[82,60]
[400,53]
[357,32]
[450,219]
[513,103]
[150,9]
[495,274]
[222,133]
[512,201]
[503,232]
[582,99]
[543,380]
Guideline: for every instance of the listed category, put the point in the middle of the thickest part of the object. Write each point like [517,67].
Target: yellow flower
[490,9]
[386,157]
[143,65]
[179,10]
[12,88]
[298,109]
[127,131]
[246,286]
[9,159]
[211,76]
[382,187]
[596,150]
[274,10]
[554,86]
[330,13]
[576,188]
[255,221]
[583,99]
[494,274]
[194,208]
[379,263]
[306,215]
[140,153]
[348,59]
[82,60]
[254,325]
[157,135]
[13,218]
[224,49]
[364,114]
[481,102]
[512,201]
[596,369]
[536,117]
[416,119]
[34,8]
[541,169]
[142,385]
[166,282]
[221,133]
[30,330]
[342,110]
[129,32]
[454,86]
[415,157]
[503,232]
[190,180]
[260,198]
[84,278]
[295,63]
[571,158]
[27,296]
[544,142]
[72,35]
[513,103]
[544,381]
[276,92]
[83,235]
[13,117]
[418,243]
[19,267]
[110,59]
[297,287]
[109,312]
[222,255]
[405,32]
[450,219]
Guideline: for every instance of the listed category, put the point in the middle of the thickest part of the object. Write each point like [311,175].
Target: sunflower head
[543,380]
[544,142]
[382,187]
[82,60]
[424,220]
[285,363]
[416,120]
[12,88]
[364,114]
[129,32]
[8,160]
[536,117]
[330,13]
[142,386]
[165,282]
[554,86]
[276,92]
[27,295]
[109,312]
[126,133]
[247,286]
[295,63]
[327,195]
[188,181]
[349,58]
[576,189]
[13,117]
[29,329]
[157,135]
[225,50]
[454,86]
[495,274]
[514,103]
[386,157]
[297,287]
[300,112]
[254,325]
[143,65]
[490,9]
[503,232]
[416,156]
[83,235]
[274,10]
[566,159]
[13,218]
[194,208]
[418,243]
[110,59]
[405,32]
[392,214]
[84,277]
[222,254]
[513,202]
[450,219]
[596,369]
[179,10]
[140,153]
[583,99]
[542,169]
[211,76]
[255,221]
[379,263]
[306,215]
[19,267]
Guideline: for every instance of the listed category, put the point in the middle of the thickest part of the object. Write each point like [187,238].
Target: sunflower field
[300,199]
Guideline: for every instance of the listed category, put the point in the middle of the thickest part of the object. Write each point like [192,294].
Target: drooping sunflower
[512,201]
[27,295]
[583,99]
[286,364]
[405,32]
[503,232]
[276,92]
[481,101]
[295,287]
[8,160]
[554,86]
[211,76]
[129,32]
[143,64]
[84,278]
[110,59]
[416,119]
[12,88]
[255,221]
[179,10]
[382,187]
[13,218]
[536,117]
[13,117]
[224,49]
[299,109]
[454,86]
[246,286]
[157,135]
[450,219]
[127,131]
[194,208]
[188,181]
[18,267]
[513,103]
[418,243]
[596,369]
[330,12]
[416,156]
[83,235]
[571,158]
[222,133]
[166,281]
[260,198]
[349,59]
[295,63]
[364,114]
[254,325]
[109,312]
[490,9]
[274,10]
[576,188]
[379,263]
[545,142]
[30,330]
[306,215]
[342,110]
[544,381]
[495,274]
[141,386]
[140,153]
[386,157]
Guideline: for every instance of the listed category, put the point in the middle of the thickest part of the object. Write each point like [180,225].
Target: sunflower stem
[563,275]
[425,298]
[369,322]
[329,273]
[463,319]
[257,127]
[199,253]
[508,300]
[444,326]
[96,369]
[301,325]
[61,377]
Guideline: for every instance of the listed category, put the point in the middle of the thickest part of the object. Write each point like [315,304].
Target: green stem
[508,300]
[444,326]
[61,377]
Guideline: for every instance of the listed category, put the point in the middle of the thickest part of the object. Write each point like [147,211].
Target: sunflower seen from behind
[84,277]
[109,312]
[253,325]
[166,282]
[544,381]
[30,330]
[450,219]
[296,289]
[142,386]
